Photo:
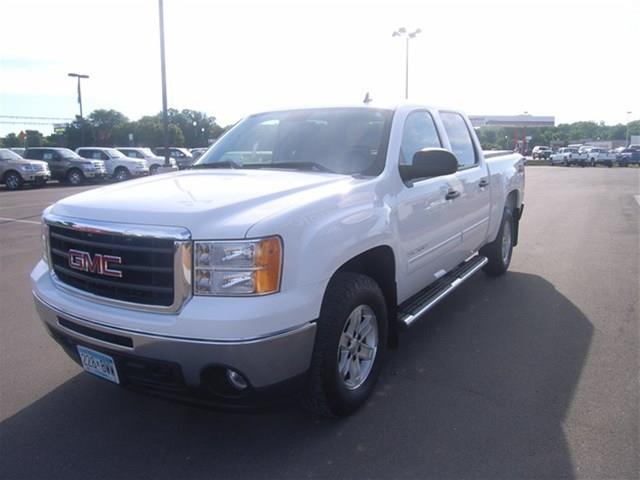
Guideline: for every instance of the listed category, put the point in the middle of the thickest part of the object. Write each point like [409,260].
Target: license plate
[98,364]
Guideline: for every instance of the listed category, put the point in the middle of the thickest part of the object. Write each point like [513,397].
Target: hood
[41,165]
[212,204]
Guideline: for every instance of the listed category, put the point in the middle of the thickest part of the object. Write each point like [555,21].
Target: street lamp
[165,120]
[79,76]
[628,120]
[402,32]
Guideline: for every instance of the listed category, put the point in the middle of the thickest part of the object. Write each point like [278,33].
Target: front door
[430,242]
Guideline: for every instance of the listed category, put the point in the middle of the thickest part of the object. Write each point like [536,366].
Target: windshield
[6,154]
[66,153]
[338,140]
[113,153]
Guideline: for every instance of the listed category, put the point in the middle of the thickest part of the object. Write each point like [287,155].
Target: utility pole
[79,77]
[165,120]
[628,120]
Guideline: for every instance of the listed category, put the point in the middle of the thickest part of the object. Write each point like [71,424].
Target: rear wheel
[499,251]
[75,177]
[349,348]
[13,181]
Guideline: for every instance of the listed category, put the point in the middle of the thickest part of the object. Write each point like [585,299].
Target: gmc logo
[79,260]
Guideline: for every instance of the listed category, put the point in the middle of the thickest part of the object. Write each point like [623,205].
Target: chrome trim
[182,260]
[123,229]
[452,286]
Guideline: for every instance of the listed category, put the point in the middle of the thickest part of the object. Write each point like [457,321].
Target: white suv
[119,166]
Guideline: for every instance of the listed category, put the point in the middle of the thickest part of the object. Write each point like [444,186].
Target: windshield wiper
[223,164]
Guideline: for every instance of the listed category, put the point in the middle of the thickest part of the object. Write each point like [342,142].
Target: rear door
[470,209]
[429,241]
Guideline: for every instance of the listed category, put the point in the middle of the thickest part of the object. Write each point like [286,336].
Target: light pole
[79,76]
[628,120]
[165,120]
[402,32]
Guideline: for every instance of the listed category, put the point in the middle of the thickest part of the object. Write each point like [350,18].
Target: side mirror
[430,162]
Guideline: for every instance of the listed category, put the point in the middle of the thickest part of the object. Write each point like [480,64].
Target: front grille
[147,265]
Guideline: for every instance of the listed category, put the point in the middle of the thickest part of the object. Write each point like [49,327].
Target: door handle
[483,183]
[451,194]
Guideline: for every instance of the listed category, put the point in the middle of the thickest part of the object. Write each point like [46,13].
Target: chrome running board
[423,301]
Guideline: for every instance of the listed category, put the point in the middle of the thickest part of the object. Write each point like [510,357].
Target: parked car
[563,156]
[153,161]
[16,171]
[241,278]
[541,152]
[183,157]
[629,156]
[119,166]
[197,152]
[67,166]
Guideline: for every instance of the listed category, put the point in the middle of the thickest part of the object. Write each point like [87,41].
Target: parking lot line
[637,198]
[26,206]
[9,220]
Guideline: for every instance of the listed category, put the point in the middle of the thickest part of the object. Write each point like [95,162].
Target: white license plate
[98,363]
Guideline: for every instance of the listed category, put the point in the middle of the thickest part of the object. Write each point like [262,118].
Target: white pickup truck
[288,259]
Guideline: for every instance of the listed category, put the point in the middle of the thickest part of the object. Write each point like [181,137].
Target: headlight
[26,168]
[44,233]
[243,267]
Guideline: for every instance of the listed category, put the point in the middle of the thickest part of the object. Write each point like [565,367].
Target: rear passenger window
[419,133]
[47,156]
[460,138]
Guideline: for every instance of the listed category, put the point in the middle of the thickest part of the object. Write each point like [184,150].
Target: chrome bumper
[265,361]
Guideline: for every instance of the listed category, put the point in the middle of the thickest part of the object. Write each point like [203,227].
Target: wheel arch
[379,264]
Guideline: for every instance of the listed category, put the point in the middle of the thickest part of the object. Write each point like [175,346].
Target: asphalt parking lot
[534,374]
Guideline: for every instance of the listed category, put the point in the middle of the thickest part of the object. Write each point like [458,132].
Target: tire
[500,250]
[154,169]
[351,300]
[75,177]
[121,174]
[13,180]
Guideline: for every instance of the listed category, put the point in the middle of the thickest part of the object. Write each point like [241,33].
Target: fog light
[236,380]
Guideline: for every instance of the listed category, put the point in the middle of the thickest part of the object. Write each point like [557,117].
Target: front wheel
[499,251]
[154,169]
[121,174]
[350,344]
[75,177]
[13,181]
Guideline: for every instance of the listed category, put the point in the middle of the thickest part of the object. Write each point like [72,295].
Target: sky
[574,59]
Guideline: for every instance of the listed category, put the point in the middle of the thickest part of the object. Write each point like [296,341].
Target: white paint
[637,197]
[5,219]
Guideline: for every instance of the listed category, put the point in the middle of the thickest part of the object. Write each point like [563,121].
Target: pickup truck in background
[600,156]
[285,262]
[16,171]
[563,156]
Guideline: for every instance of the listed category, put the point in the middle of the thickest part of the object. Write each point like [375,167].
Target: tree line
[563,134]
[105,128]
[192,128]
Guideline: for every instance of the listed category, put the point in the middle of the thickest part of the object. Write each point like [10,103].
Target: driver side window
[419,133]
